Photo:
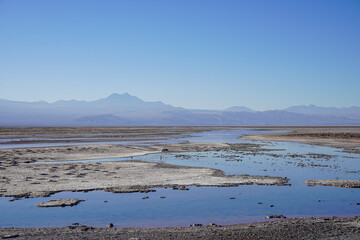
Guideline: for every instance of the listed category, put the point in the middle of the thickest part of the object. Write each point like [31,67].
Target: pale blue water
[207,136]
[210,204]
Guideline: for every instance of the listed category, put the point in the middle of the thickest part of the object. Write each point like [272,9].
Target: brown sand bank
[64,131]
[69,153]
[347,138]
[295,228]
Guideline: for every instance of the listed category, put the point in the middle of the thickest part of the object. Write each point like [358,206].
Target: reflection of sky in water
[210,204]
[224,136]
[180,208]
[97,141]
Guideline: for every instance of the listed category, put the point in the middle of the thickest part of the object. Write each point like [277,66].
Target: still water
[211,204]
[22,141]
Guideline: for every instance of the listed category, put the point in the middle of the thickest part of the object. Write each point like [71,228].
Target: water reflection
[223,136]
[298,162]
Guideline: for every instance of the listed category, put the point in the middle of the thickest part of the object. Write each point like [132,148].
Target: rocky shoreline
[335,183]
[293,228]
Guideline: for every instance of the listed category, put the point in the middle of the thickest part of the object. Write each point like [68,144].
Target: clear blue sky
[189,53]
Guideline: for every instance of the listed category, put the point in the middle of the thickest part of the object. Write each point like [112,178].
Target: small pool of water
[211,204]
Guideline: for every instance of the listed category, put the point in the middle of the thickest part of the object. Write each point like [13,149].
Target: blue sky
[190,53]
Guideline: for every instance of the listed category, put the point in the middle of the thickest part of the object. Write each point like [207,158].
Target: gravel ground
[296,228]
[335,183]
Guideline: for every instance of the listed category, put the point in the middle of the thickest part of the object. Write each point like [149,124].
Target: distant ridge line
[127,110]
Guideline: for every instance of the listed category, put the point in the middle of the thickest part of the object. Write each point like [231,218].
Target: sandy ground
[68,153]
[34,180]
[296,228]
[347,138]
[125,131]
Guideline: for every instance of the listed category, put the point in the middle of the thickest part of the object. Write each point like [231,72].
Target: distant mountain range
[239,109]
[127,110]
[351,112]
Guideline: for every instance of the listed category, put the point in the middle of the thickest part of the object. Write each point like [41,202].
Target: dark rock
[275,216]
[9,236]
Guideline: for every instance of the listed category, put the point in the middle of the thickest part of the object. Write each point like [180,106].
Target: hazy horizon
[123,93]
[193,54]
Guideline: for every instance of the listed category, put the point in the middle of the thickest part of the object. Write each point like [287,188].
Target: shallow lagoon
[210,204]
[228,136]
